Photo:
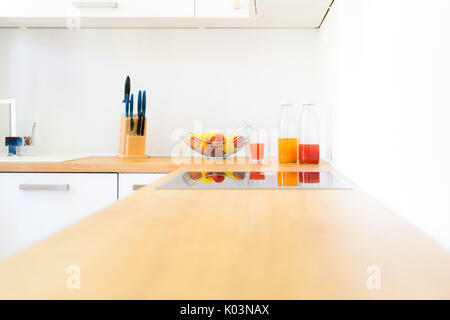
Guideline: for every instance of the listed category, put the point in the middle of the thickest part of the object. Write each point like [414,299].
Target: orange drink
[287,179]
[257,140]
[287,150]
[256,175]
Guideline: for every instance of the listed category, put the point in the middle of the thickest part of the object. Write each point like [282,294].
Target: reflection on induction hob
[254,180]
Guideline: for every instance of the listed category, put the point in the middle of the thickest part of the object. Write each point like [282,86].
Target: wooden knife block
[131,146]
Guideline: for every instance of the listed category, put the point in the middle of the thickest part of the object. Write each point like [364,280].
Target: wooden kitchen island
[232,244]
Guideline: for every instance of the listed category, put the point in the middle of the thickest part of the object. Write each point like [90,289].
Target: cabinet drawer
[36,205]
[130,182]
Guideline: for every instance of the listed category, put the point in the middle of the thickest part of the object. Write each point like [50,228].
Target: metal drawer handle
[138,186]
[44,187]
[95,4]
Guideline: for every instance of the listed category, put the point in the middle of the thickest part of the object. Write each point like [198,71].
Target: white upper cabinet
[163,13]
[224,8]
[135,8]
[97,8]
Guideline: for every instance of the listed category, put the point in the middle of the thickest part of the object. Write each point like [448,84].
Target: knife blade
[126,95]
[131,113]
[127,88]
[139,113]
[143,109]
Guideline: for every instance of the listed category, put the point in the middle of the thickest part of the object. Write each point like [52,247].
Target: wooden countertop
[234,244]
[113,164]
[94,164]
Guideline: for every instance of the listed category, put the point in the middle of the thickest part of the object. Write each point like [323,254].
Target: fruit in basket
[230,175]
[207,177]
[208,149]
[216,144]
[195,175]
[231,138]
[206,137]
[206,140]
[228,147]
[218,177]
[218,139]
[218,152]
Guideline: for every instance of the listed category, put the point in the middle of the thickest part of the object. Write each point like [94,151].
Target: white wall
[71,81]
[385,73]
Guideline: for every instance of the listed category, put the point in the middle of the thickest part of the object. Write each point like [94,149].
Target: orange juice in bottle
[287,179]
[287,141]
[287,150]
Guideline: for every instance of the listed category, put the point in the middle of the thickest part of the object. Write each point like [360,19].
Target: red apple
[218,139]
[218,177]
[208,150]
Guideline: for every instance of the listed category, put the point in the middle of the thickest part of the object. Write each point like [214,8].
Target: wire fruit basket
[217,145]
[197,177]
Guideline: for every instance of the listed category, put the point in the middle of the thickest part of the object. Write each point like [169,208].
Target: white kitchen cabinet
[224,8]
[97,8]
[130,182]
[136,8]
[36,205]
[164,13]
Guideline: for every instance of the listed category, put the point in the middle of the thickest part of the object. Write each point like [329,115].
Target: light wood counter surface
[234,244]
[153,164]
[94,164]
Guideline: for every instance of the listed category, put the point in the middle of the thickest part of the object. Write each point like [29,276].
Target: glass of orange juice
[257,142]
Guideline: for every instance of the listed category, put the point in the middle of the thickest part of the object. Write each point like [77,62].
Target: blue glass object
[12,143]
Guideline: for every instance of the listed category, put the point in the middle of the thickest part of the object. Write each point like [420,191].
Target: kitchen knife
[143,109]
[127,106]
[139,112]
[127,94]
[139,99]
[131,113]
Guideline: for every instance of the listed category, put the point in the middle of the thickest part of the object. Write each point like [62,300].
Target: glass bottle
[287,140]
[308,148]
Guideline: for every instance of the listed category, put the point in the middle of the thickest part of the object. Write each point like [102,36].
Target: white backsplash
[71,81]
